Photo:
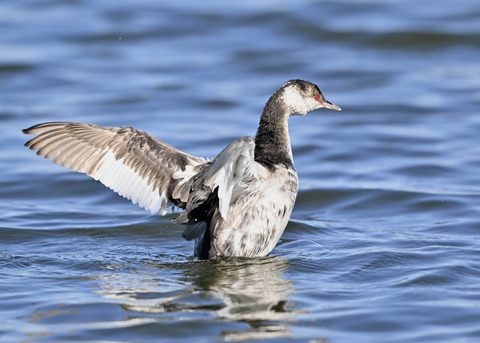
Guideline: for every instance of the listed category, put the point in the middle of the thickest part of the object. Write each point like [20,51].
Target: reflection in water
[247,291]
[252,291]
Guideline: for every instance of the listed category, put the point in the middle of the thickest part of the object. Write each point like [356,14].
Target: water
[383,242]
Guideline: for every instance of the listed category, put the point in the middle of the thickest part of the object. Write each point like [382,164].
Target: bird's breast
[257,217]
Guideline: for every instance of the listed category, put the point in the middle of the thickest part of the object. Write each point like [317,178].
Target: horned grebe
[237,204]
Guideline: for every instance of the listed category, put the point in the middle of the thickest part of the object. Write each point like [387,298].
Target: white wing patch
[118,176]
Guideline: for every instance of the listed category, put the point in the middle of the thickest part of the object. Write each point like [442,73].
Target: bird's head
[302,97]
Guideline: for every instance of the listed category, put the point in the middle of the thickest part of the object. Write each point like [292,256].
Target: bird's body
[238,204]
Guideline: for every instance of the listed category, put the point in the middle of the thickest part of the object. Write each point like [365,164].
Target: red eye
[317,97]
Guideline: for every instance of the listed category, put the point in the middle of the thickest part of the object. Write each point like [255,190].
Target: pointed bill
[328,105]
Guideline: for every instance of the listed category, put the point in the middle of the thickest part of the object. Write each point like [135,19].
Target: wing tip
[52,124]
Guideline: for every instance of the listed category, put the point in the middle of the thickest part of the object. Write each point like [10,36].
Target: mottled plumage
[236,205]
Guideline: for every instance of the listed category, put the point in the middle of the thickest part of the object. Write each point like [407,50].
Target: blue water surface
[383,244]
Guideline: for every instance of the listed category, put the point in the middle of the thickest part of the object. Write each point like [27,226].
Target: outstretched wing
[132,163]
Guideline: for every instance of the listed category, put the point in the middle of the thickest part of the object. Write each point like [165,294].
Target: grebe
[237,204]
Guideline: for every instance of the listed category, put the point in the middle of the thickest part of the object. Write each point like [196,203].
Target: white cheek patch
[299,104]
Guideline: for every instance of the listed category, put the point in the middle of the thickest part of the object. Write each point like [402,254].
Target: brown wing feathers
[133,163]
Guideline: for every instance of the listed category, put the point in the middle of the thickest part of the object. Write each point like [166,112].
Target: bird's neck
[272,141]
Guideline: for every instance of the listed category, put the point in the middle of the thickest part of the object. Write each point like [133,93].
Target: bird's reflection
[241,290]
[252,291]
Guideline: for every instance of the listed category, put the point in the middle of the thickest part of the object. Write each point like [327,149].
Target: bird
[234,205]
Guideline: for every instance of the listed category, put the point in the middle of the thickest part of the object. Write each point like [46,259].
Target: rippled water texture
[383,244]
